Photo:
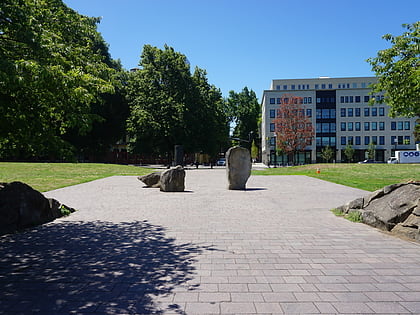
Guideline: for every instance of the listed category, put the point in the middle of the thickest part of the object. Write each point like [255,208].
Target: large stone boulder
[394,208]
[151,180]
[21,207]
[238,167]
[173,180]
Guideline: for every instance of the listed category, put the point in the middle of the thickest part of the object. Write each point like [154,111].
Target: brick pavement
[273,249]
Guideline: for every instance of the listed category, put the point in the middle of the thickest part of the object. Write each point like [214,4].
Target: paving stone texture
[272,249]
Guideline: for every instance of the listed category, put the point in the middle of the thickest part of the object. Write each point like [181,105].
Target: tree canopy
[53,65]
[169,106]
[244,112]
[294,130]
[398,72]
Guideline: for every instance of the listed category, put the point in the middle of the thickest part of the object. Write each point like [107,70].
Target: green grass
[363,176]
[354,216]
[49,176]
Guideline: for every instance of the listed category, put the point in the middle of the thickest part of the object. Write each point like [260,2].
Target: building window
[366,126]
[326,114]
[394,140]
[366,98]
[333,127]
[400,140]
[406,140]
[363,85]
[273,141]
[381,140]
[272,127]
[375,140]
[374,111]
[400,125]
[350,112]
[284,87]
[309,100]
[325,128]
[272,100]
[323,86]
[357,99]
[374,125]
[381,125]
[354,85]
[293,86]
[341,99]
[316,86]
[367,140]
[357,140]
[272,113]
[309,112]
[277,87]
[357,112]
[278,100]
[350,140]
[330,86]
[343,126]
[350,126]
[393,125]
[346,99]
[343,141]
[351,99]
[367,111]
[343,112]
[406,125]
[357,126]
[381,111]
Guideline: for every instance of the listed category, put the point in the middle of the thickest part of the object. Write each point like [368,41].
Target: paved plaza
[272,249]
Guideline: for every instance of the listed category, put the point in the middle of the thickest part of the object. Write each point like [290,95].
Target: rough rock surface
[151,180]
[238,167]
[394,208]
[173,180]
[21,206]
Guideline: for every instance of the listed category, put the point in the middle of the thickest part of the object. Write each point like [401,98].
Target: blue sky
[250,42]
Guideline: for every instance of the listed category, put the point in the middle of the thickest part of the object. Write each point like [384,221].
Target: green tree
[349,152]
[51,70]
[327,153]
[371,151]
[254,150]
[244,112]
[398,72]
[169,106]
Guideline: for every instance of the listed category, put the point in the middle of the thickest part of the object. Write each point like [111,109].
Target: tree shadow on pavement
[94,267]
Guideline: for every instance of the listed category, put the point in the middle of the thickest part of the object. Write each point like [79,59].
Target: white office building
[340,113]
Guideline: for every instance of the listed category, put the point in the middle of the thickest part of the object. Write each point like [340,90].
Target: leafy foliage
[398,72]
[244,112]
[349,152]
[170,106]
[53,66]
[294,130]
[327,153]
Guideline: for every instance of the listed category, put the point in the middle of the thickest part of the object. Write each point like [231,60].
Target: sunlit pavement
[272,249]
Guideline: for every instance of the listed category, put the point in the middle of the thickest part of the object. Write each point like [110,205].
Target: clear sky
[251,42]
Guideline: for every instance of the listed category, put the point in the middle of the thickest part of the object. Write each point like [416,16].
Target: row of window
[302,100]
[302,112]
[358,98]
[367,111]
[323,86]
[357,140]
[374,125]
[356,126]
[376,140]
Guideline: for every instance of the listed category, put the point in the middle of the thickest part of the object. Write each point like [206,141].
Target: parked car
[221,162]
[367,161]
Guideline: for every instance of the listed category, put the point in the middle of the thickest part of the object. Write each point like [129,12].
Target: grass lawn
[49,176]
[363,176]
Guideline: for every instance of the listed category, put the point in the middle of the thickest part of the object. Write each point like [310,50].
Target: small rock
[173,180]
[151,180]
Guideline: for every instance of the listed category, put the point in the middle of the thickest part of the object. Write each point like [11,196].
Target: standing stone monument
[238,167]
[173,179]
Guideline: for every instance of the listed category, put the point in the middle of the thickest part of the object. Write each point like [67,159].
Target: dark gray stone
[21,207]
[392,208]
[238,167]
[173,180]
[151,180]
